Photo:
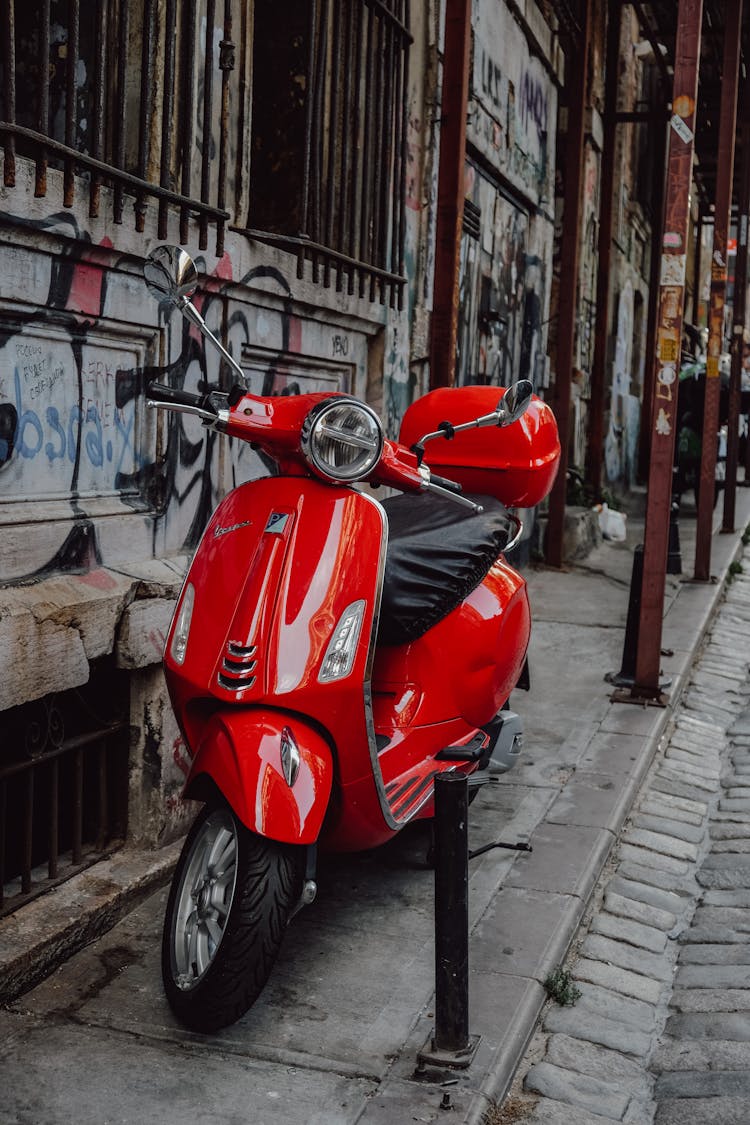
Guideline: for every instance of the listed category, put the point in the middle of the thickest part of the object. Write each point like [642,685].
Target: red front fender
[241,752]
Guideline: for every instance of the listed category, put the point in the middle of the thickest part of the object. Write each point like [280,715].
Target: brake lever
[209,417]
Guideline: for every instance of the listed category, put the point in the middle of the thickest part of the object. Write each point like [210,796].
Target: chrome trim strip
[385,805]
[509,547]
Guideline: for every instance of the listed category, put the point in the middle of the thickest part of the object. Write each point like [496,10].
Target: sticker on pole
[673,269]
[663,425]
[683,131]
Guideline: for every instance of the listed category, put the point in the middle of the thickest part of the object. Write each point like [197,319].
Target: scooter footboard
[274,770]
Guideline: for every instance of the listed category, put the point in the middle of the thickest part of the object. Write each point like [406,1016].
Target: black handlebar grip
[443,482]
[160,392]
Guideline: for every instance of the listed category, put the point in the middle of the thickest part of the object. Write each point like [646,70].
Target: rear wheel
[230,900]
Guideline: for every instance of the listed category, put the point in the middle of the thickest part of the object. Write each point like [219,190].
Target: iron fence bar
[125,179]
[54,818]
[188,101]
[208,102]
[167,110]
[226,62]
[9,61]
[377,181]
[77,846]
[122,59]
[144,125]
[71,86]
[364,224]
[348,106]
[100,74]
[40,184]
[333,133]
[354,208]
[309,118]
[402,118]
[102,817]
[390,161]
[28,833]
[318,132]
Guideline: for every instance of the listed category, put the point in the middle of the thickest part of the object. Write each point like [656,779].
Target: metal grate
[63,786]
[69,99]
[329,155]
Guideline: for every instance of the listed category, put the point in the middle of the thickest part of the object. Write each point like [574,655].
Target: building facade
[293,150]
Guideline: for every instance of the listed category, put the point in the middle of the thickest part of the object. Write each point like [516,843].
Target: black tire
[230,900]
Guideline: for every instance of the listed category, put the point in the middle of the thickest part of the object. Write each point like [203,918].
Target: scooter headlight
[342,439]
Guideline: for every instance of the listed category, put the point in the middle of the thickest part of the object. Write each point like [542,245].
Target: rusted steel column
[601,330]
[577,66]
[724,178]
[659,126]
[738,319]
[666,359]
[450,203]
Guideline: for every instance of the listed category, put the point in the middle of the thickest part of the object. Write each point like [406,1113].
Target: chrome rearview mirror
[511,406]
[514,402]
[171,276]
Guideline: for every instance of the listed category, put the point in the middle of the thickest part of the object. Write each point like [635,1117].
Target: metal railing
[63,797]
[67,100]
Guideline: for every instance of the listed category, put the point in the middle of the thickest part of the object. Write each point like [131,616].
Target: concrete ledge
[41,935]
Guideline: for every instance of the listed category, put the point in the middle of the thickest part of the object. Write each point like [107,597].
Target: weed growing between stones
[560,987]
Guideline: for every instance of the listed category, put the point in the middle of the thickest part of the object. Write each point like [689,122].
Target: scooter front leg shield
[274,770]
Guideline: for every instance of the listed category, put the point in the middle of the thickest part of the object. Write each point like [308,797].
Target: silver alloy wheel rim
[204,898]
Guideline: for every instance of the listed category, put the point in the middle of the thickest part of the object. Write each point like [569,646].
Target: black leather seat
[438,552]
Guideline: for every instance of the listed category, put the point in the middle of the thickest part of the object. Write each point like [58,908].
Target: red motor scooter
[329,654]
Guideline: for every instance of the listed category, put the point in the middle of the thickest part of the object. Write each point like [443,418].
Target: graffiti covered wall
[506,250]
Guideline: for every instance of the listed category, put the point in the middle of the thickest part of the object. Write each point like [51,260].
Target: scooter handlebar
[443,482]
[171,396]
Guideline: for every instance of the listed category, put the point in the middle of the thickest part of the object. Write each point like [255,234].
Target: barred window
[327,166]
[131,95]
[138,97]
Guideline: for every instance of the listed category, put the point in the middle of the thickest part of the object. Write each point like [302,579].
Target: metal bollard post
[626,676]
[450,1043]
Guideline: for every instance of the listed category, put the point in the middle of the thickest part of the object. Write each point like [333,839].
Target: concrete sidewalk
[334,1037]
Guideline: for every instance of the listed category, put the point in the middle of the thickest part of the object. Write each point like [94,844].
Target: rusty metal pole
[657,226]
[577,66]
[722,216]
[450,201]
[666,359]
[601,330]
[739,312]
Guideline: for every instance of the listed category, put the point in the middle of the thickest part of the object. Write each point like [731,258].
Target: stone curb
[699,615]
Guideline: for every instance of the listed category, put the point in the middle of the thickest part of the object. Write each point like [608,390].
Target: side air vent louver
[238,667]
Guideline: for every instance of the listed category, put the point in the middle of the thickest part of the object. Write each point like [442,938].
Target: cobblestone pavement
[661,1029]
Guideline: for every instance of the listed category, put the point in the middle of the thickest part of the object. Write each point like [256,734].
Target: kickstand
[511,847]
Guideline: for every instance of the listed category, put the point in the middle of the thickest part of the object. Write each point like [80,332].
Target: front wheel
[230,900]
